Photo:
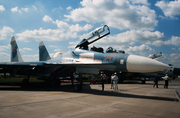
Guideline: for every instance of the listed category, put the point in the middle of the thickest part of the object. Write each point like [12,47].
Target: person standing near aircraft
[115,80]
[156,78]
[103,77]
[112,81]
[167,79]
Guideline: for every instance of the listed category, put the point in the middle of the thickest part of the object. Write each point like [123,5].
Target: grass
[17,81]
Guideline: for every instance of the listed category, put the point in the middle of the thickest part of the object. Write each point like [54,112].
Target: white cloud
[31,58]
[72,28]
[57,9]
[173,58]
[175,40]
[64,32]
[173,48]
[4,57]
[34,7]
[2,8]
[4,48]
[120,14]
[53,46]
[46,35]
[24,50]
[139,49]
[170,9]
[145,2]
[57,50]
[47,18]
[158,43]
[15,9]
[69,8]
[25,9]
[5,32]
[132,37]
[29,49]
[61,24]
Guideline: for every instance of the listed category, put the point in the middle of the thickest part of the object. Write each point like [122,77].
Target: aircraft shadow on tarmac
[86,89]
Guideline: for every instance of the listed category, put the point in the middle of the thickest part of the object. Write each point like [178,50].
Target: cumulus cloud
[46,35]
[145,2]
[69,8]
[5,32]
[175,40]
[29,49]
[73,28]
[173,58]
[4,55]
[4,48]
[15,9]
[47,18]
[25,49]
[25,9]
[64,31]
[170,9]
[66,27]
[2,8]
[132,37]
[53,46]
[57,9]
[34,7]
[139,49]
[121,14]
[29,58]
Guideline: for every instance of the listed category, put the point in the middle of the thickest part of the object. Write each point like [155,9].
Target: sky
[140,27]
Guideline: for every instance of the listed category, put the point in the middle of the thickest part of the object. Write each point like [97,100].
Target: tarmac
[132,99]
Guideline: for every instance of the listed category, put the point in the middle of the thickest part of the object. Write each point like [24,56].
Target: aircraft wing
[14,64]
[44,67]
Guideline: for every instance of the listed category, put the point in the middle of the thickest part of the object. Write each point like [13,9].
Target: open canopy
[94,36]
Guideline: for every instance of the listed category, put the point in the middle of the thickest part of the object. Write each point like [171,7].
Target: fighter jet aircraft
[82,60]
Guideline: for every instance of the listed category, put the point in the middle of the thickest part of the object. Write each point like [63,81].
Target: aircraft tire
[121,80]
[79,87]
[143,81]
[25,83]
[57,82]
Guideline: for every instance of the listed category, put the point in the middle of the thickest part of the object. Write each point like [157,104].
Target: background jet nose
[143,64]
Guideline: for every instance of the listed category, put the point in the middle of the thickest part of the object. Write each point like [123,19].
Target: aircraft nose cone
[143,64]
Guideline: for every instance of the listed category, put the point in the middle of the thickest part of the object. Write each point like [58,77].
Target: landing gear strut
[25,82]
[78,85]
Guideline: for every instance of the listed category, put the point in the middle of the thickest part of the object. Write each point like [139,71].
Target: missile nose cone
[143,64]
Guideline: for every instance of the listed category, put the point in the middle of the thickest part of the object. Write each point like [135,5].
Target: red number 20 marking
[108,58]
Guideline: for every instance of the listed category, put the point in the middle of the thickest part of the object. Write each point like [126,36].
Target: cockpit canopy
[100,49]
[111,50]
[94,36]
